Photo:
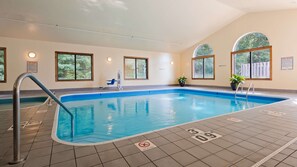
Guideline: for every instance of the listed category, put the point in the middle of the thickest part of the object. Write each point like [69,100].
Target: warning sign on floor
[145,145]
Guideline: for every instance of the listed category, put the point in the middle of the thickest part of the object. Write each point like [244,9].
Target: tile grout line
[123,157]
[282,161]
[97,151]
[274,153]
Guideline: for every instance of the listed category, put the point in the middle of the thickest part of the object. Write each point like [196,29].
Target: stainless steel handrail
[239,85]
[17,114]
[250,86]
[248,90]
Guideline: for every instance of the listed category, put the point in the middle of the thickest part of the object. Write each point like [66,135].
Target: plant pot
[182,84]
[233,86]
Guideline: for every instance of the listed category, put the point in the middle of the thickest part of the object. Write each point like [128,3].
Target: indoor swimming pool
[103,117]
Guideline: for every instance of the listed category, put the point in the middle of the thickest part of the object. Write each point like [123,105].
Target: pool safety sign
[145,145]
[202,136]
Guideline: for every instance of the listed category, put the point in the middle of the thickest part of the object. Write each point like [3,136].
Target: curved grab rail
[17,117]
[237,88]
[250,86]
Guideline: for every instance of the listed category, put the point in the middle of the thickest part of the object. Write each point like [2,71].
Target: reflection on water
[112,118]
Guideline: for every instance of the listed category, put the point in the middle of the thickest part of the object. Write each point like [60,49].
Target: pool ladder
[251,86]
[17,113]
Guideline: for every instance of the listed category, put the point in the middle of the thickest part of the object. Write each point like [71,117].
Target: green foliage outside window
[244,62]
[74,67]
[203,67]
[252,40]
[135,68]
[130,68]
[83,67]
[203,50]
[2,68]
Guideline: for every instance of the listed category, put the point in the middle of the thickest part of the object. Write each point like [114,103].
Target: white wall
[281,29]
[161,71]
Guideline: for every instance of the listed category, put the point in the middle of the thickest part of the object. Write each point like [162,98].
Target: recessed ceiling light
[32,55]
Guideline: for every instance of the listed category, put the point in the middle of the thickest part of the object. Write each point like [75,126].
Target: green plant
[236,79]
[182,79]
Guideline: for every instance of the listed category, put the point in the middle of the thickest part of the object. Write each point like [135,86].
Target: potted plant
[235,80]
[182,81]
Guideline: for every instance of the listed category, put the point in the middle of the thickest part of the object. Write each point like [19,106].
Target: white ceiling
[261,5]
[155,25]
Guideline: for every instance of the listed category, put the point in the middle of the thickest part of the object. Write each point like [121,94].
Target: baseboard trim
[259,89]
[91,89]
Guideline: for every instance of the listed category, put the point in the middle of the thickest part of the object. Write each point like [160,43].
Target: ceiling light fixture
[31,55]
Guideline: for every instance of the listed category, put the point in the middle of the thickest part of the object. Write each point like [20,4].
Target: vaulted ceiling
[154,25]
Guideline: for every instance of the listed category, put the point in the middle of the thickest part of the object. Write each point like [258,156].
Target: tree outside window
[135,68]
[251,57]
[203,63]
[74,66]
[2,64]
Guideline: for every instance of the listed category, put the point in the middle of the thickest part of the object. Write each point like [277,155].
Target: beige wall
[161,71]
[281,29]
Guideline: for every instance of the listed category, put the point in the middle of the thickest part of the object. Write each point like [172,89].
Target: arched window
[203,63]
[251,57]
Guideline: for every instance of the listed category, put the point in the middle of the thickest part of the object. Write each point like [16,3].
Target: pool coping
[55,123]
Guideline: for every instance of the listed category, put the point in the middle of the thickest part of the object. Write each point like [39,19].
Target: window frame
[250,51]
[135,59]
[5,65]
[203,57]
[75,54]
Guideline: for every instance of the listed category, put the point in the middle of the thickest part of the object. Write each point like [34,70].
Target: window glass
[242,64]
[203,50]
[252,57]
[208,68]
[141,68]
[261,64]
[136,68]
[203,63]
[2,65]
[83,67]
[66,67]
[71,66]
[252,40]
[130,68]
[198,68]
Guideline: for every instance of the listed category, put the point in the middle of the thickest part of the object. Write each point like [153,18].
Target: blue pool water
[108,116]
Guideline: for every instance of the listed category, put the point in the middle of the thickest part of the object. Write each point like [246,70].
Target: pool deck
[242,143]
